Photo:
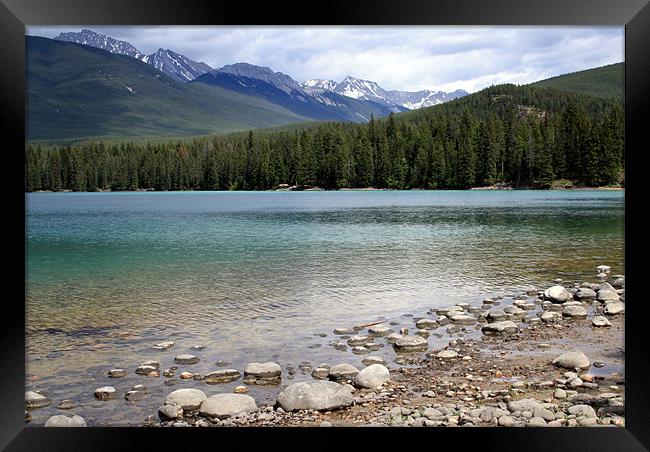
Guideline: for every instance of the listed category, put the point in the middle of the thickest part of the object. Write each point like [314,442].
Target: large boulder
[342,372]
[64,421]
[222,406]
[188,399]
[315,395]
[372,376]
[557,294]
[573,359]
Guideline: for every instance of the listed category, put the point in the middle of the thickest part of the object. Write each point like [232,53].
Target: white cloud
[405,58]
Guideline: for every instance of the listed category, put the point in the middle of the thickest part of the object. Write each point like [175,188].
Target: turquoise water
[252,275]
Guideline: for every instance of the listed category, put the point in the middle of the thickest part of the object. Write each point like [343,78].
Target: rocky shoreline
[532,359]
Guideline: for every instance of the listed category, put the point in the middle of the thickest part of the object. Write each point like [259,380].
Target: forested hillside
[605,81]
[524,136]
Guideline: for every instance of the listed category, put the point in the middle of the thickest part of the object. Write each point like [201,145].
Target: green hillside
[605,81]
[76,92]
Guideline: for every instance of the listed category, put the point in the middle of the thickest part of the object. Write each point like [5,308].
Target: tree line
[518,135]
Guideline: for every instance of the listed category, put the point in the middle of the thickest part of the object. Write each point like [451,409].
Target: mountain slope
[282,90]
[76,91]
[605,81]
[173,64]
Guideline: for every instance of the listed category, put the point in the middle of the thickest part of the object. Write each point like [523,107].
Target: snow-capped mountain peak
[100,41]
[329,85]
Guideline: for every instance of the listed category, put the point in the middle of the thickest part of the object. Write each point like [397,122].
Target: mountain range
[182,68]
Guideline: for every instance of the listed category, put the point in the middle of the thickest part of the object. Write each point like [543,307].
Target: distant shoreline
[488,188]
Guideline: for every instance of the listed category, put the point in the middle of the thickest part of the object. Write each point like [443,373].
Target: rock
[619,283]
[489,413]
[524,405]
[221,376]
[557,294]
[145,370]
[370,360]
[342,372]
[550,317]
[343,331]
[536,422]
[582,410]
[447,354]
[240,390]
[503,327]
[427,324]
[320,373]
[359,340]
[170,412]
[152,363]
[585,294]
[614,308]
[265,373]
[186,375]
[372,376]
[186,359]
[165,345]
[574,311]
[506,421]
[607,295]
[379,330]
[574,359]
[514,310]
[137,393]
[64,421]
[603,268]
[315,395]
[36,400]
[222,406]
[462,319]
[117,373]
[325,424]
[391,339]
[496,314]
[105,393]
[599,320]
[411,344]
[359,350]
[66,405]
[188,399]
[443,320]
[559,393]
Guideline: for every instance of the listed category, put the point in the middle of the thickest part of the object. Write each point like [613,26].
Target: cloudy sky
[404,58]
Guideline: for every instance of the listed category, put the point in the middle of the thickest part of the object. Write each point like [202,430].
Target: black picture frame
[633,14]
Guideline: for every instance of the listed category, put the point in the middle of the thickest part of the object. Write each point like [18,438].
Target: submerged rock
[186,359]
[370,360]
[36,400]
[105,393]
[426,324]
[379,330]
[117,373]
[165,345]
[315,395]
[221,376]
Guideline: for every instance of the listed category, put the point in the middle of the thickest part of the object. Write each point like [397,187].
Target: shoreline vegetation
[541,357]
[297,188]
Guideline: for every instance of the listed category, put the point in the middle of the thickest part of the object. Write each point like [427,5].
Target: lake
[267,276]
